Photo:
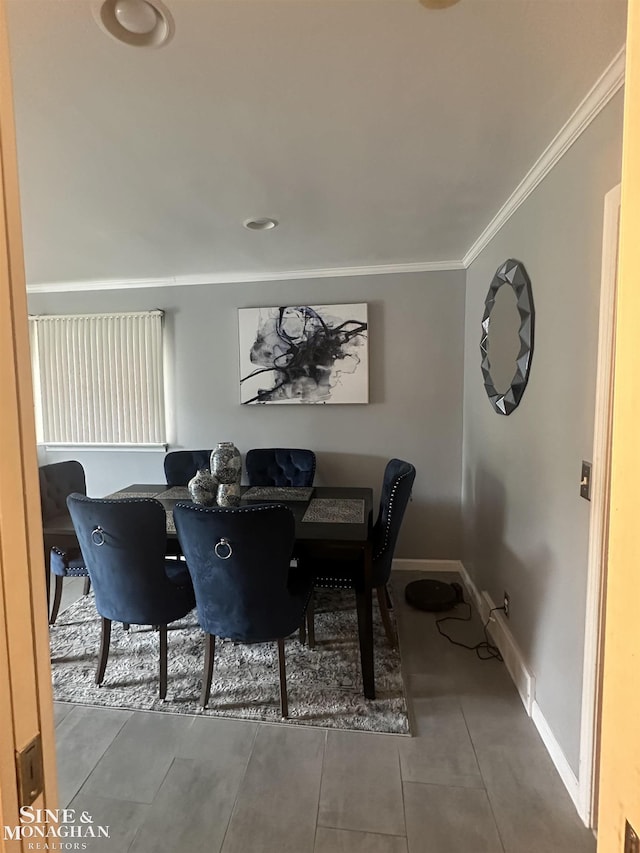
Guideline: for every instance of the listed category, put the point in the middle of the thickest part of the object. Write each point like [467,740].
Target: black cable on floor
[486,645]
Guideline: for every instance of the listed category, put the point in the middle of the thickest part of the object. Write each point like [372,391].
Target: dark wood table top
[309,531]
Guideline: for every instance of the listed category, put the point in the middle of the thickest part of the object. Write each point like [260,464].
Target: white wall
[416,375]
[525,526]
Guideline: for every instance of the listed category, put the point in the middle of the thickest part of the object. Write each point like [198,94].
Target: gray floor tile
[424,649]
[533,810]
[196,798]
[348,841]
[71,591]
[277,804]
[136,763]
[433,666]
[82,738]
[121,819]
[441,752]
[449,820]
[470,729]
[60,711]
[361,787]
[192,808]
[496,716]
[217,739]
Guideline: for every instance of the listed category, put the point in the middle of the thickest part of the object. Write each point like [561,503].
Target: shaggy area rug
[324,684]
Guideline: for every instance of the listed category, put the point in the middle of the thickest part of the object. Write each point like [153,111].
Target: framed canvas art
[304,354]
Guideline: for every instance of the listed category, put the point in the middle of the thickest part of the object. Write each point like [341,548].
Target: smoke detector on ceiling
[138,23]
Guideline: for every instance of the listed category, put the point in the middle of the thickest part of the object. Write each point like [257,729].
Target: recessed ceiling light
[136,16]
[138,23]
[264,224]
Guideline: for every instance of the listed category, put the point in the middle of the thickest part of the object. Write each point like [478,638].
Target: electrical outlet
[506,604]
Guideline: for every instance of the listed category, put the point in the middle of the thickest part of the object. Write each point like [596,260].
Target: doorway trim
[599,519]
[26,703]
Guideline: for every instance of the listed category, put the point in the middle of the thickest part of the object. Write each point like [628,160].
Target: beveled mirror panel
[507,336]
[503,339]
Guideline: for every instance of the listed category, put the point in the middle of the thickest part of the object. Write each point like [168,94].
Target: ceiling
[375,131]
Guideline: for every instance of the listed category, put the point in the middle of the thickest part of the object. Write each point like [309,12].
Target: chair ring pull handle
[223,543]
[97,536]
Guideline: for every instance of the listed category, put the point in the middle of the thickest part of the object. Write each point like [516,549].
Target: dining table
[326,518]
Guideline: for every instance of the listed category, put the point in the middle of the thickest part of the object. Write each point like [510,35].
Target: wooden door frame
[599,518]
[618,788]
[26,702]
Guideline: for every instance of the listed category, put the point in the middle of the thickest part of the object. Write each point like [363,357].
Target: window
[98,379]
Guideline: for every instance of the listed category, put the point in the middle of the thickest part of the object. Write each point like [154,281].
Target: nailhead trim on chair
[328,582]
[120,500]
[71,571]
[388,525]
[237,508]
[333,583]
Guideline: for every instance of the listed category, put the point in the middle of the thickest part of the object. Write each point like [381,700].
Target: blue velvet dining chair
[280,466]
[62,554]
[123,542]
[181,465]
[332,569]
[239,563]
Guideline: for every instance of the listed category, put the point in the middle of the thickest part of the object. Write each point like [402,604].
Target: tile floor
[475,778]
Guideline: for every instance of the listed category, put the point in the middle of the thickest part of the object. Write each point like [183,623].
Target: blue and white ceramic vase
[226,467]
[228,494]
[203,488]
[226,463]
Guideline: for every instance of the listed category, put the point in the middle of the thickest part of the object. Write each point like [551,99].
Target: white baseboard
[558,757]
[501,635]
[514,661]
[426,565]
[525,683]
[500,632]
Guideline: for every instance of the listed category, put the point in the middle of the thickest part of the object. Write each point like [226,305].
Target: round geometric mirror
[507,336]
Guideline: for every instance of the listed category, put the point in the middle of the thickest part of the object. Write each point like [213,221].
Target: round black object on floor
[432,595]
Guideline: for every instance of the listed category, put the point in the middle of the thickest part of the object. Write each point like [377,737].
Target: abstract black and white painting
[304,354]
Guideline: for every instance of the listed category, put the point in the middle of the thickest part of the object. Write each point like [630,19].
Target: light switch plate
[585,481]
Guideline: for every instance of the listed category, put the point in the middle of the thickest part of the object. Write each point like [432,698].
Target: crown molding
[241,277]
[605,87]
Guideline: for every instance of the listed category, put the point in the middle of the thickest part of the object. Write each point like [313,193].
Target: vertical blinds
[98,378]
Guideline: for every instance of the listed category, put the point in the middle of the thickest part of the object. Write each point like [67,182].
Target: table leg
[365,626]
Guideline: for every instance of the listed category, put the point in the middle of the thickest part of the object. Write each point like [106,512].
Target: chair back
[57,481]
[280,466]
[396,491]
[241,591]
[181,465]
[123,543]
